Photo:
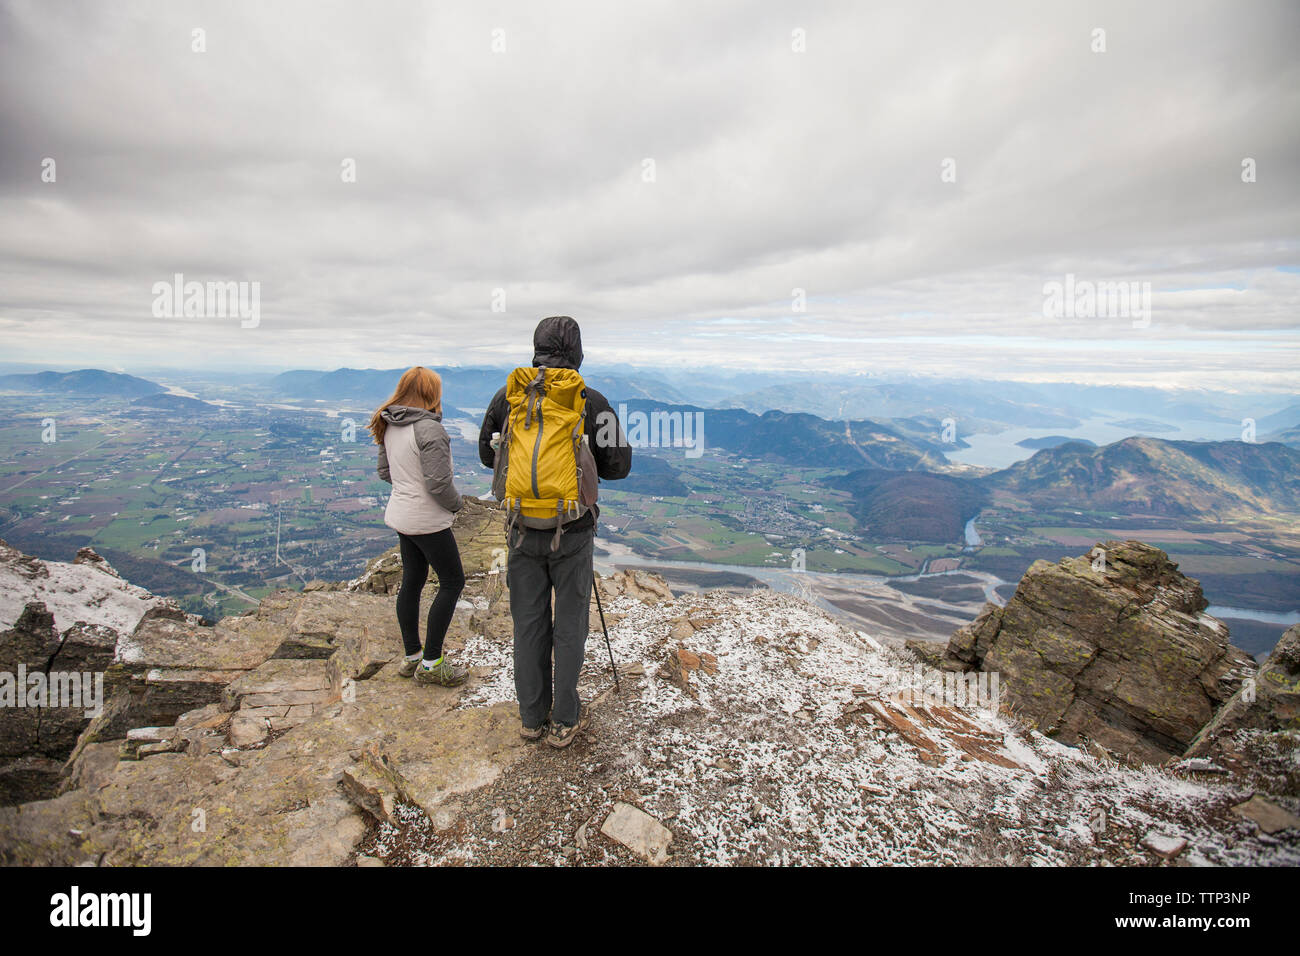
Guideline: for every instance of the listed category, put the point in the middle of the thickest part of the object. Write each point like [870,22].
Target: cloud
[523,171]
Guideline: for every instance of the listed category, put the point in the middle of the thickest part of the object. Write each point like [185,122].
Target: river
[791,581]
[1281,619]
[788,579]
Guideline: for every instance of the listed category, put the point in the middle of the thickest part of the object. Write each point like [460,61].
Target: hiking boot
[443,674]
[562,735]
[407,668]
[533,733]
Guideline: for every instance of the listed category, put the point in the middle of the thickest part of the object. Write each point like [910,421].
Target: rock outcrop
[38,727]
[86,589]
[1257,732]
[1112,648]
[61,626]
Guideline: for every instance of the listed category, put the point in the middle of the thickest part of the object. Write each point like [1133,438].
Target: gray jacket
[415,459]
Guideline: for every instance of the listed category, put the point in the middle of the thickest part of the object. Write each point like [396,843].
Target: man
[534,569]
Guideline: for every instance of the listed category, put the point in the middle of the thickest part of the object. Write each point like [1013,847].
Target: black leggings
[419,552]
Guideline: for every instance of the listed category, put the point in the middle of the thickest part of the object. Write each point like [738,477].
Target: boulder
[1112,648]
[1164,845]
[1266,815]
[374,785]
[32,641]
[682,629]
[383,575]
[93,558]
[494,621]
[645,586]
[244,731]
[480,529]
[460,751]
[639,832]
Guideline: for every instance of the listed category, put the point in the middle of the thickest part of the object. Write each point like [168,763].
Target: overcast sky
[524,169]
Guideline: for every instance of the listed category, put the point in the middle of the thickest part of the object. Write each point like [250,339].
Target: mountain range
[466,387]
[1159,477]
[896,470]
[1287,418]
[901,494]
[800,438]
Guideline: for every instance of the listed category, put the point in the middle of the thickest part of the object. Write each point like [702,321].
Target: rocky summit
[744,728]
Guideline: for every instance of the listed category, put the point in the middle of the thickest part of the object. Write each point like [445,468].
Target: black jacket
[557,343]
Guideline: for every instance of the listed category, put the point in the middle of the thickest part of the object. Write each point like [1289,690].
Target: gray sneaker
[533,733]
[445,674]
[562,735]
[407,668]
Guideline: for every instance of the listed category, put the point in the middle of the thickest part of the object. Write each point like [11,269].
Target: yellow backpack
[545,473]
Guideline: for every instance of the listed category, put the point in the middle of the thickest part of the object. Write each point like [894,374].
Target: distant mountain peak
[1145,475]
[87,381]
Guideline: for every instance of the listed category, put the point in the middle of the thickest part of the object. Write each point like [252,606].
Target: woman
[415,458]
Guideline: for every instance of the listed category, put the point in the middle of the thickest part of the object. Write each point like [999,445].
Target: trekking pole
[595,584]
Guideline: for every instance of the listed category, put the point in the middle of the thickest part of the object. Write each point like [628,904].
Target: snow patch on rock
[72,592]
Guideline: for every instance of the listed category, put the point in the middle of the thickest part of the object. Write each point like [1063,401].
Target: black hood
[557,343]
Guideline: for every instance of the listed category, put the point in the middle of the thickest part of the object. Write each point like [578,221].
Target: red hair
[418,387]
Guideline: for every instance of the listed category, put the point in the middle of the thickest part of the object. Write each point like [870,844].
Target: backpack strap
[579,431]
[559,525]
[533,393]
[514,527]
[579,428]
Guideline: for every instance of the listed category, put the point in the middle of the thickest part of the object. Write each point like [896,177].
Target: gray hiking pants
[533,571]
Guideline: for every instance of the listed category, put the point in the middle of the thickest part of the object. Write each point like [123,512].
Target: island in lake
[1051,441]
